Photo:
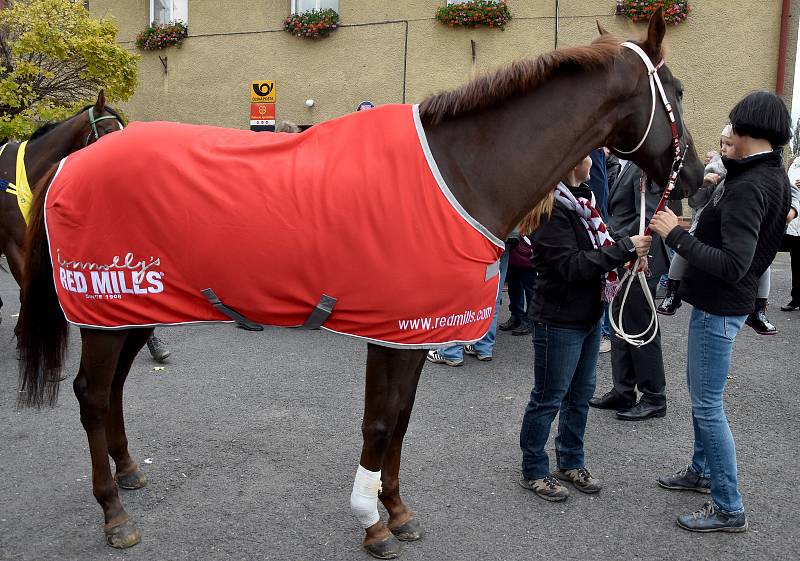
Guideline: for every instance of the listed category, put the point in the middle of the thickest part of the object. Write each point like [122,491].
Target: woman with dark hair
[737,237]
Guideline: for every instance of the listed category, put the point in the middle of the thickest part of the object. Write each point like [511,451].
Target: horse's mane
[50,125]
[516,79]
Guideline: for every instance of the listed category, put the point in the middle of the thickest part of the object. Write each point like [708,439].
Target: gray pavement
[251,442]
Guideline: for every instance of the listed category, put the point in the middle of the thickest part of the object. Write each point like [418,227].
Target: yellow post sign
[262,91]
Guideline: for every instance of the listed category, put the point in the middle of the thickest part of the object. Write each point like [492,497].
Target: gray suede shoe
[584,481]
[547,488]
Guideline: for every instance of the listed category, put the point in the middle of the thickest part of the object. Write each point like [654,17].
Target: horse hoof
[387,548]
[133,480]
[123,536]
[409,532]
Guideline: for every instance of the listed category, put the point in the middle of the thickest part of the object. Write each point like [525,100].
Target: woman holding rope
[736,239]
[575,259]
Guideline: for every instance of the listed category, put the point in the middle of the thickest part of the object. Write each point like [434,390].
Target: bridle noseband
[93,122]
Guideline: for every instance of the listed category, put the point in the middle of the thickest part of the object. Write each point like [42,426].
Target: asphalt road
[251,442]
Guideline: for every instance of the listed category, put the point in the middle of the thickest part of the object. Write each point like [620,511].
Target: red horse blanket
[355,208]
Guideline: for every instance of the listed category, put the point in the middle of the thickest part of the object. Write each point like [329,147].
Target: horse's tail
[42,328]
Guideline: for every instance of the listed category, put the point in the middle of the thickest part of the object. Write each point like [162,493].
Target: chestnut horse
[47,146]
[501,142]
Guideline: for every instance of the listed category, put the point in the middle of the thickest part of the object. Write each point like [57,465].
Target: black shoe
[641,411]
[758,319]
[511,323]
[671,299]
[709,519]
[791,306]
[523,329]
[158,351]
[685,480]
[612,400]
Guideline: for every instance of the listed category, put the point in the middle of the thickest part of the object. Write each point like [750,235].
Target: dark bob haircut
[762,115]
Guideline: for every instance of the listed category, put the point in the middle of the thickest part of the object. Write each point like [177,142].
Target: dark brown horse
[501,143]
[46,147]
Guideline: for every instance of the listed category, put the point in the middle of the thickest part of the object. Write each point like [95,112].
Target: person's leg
[794,256]
[528,286]
[516,294]
[484,348]
[758,319]
[556,355]
[708,361]
[575,407]
[647,361]
[672,301]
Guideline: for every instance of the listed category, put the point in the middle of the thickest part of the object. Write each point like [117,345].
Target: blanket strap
[240,320]
[321,312]
[493,270]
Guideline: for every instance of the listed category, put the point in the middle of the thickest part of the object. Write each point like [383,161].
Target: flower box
[162,35]
[474,13]
[312,24]
[675,11]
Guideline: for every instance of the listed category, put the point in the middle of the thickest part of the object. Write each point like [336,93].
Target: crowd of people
[563,263]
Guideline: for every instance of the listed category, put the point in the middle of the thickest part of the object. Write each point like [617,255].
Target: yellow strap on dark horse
[21,189]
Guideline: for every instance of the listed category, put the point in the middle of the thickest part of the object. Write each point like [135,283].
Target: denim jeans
[521,283]
[485,346]
[709,358]
[563,382]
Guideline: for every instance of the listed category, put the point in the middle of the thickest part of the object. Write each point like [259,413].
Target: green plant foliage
[54,58]
[312,24]
[473,13]
[160,36]
[675,11]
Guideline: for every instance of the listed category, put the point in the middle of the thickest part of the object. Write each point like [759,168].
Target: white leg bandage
[364,498]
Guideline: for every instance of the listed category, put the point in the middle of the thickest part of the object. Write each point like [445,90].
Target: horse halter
[655,81]
[93,122]
[638,268]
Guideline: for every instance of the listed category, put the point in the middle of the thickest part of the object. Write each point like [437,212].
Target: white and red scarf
[598,233]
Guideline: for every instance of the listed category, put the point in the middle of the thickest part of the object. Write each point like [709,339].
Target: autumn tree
[54,58]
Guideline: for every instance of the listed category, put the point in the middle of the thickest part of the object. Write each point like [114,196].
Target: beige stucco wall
[728,48]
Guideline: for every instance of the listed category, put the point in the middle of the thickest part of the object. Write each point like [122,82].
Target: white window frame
[317,5]
[184,19]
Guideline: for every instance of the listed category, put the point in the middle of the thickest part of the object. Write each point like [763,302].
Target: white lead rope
[627,280]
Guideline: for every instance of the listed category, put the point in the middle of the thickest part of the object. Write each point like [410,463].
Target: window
[300,6]
[166,11]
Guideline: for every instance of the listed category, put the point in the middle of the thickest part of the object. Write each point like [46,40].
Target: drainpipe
[781,77]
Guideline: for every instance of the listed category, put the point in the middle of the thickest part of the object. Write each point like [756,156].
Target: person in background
[636,367]
[575,260]
[521,279]
[613,167]
[791,239]
[599,184]
[737,236]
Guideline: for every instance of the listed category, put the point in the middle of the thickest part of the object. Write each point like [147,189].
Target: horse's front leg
[391,383]
[99,355]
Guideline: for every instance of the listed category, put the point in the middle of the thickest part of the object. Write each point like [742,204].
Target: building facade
[396,52]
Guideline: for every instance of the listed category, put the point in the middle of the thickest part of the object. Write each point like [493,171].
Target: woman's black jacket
[569,271]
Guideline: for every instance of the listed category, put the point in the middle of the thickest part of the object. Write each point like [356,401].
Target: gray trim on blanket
[492,270]
[423,140]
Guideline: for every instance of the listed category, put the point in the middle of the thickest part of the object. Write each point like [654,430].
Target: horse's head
[100,120]
[646,133]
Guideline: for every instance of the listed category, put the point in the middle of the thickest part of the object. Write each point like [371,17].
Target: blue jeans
[484,346]
[709,358]
[521,283]
[564,380]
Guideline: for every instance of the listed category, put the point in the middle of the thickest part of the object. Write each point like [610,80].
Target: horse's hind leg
[391,383]
[128,475]
[100,352]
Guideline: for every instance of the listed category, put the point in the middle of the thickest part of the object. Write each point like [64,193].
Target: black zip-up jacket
[569,271]
[737,238]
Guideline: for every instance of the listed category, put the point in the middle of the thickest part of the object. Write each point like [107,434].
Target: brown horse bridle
[637,270]
[93,122]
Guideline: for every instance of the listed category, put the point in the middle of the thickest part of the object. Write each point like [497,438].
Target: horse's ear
[600,28]
[100,104]
[655,35]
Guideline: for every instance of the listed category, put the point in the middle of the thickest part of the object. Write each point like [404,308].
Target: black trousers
[638,367]
[792,245]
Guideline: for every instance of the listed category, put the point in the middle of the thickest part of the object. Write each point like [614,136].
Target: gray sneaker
[157,349]
[581,478]
[686,480]
[709,519]
[470,350]
[436,358]
[547,488]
